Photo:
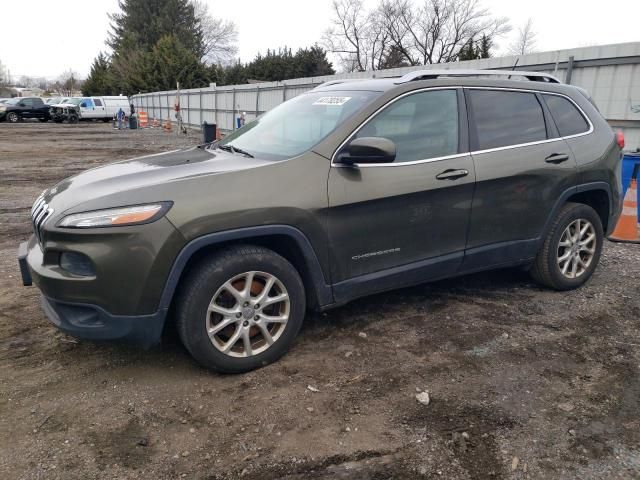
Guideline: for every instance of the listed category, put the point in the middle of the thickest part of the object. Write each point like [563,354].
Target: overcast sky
[47,37]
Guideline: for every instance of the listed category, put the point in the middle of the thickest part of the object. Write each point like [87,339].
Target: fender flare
[585,187]
[322,289]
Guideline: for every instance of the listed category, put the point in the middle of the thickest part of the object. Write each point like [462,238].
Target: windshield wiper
[232,149]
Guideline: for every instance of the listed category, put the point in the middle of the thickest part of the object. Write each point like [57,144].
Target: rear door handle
[557,158]
[452,174]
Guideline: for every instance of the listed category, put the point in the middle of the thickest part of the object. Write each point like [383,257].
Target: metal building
[611,73]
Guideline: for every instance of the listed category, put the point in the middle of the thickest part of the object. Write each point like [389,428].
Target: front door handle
[557,158]
[452,174]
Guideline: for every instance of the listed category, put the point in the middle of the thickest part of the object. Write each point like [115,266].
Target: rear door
[401,214]
[99,107]
[522,169]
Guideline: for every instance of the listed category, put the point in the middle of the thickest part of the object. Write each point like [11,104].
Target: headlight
[2,108]
[116,217]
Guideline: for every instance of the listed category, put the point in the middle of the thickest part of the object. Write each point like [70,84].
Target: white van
[103,108]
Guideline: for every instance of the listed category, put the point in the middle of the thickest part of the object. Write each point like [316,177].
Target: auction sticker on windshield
[332,101]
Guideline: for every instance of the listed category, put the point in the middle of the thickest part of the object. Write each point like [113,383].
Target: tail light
[620,139]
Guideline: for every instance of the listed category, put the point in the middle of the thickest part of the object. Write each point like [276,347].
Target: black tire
[73,119]
[13,117]
[202,282]
[545,269]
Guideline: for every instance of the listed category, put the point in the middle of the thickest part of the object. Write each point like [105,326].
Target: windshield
[298,124]
[51,101]
[74,101]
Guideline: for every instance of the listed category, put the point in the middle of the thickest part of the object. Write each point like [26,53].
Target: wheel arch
[595,194]
[285,240]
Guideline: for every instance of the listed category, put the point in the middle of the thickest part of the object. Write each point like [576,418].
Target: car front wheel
[13,117]
[571,250]
[240,309]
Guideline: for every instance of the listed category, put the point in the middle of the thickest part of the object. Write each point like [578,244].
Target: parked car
[102,108]
[18,108]
[348,190]
[53,100]
[3,100]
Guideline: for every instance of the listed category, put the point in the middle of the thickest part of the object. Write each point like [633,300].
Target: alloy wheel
[247,314]
[576,248]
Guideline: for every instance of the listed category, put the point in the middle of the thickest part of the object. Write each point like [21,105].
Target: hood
[115,184]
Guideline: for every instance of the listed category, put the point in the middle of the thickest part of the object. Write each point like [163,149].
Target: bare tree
[68,83]
[433,31]
[354,36]
[526,41]
[219,37]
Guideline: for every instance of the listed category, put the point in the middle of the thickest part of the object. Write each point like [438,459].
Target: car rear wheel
[240,309]
[571,251]
[13,117]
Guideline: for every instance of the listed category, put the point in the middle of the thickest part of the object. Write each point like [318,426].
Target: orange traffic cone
[627,229]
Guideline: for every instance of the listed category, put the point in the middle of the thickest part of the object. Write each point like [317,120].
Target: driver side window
[422,125]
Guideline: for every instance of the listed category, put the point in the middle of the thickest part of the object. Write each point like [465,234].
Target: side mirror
[369,150]
[21,104]
[83,105]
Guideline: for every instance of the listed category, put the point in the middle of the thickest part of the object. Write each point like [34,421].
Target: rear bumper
[93,323]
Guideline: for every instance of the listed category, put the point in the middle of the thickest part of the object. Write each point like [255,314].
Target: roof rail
[433,74]
[342,80]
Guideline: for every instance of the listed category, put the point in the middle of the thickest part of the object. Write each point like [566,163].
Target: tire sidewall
[193,312]
[13,117]
[579,212]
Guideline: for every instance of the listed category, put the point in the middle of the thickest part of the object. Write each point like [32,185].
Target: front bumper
[122,300]
[93,323]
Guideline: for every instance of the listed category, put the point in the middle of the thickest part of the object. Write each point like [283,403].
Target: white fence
[611,73]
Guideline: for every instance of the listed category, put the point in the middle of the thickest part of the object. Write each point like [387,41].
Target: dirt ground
[524,382]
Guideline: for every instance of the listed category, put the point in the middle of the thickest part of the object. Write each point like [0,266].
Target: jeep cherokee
[353,188]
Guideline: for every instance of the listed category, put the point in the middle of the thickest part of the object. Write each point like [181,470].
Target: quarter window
[503,118]
[422,125]
[567,117]
[98,102]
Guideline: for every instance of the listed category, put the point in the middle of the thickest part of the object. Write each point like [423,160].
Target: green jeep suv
[353,188]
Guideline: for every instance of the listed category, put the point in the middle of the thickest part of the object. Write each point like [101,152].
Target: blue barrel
[629,161]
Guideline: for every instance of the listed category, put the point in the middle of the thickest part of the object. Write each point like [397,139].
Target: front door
[406,220]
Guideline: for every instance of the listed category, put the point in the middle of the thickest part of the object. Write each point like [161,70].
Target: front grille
[40,213]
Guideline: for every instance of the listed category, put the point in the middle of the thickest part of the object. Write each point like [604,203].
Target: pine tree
[485,46]
[100,80]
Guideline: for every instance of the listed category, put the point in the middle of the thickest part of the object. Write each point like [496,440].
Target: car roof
[389,84]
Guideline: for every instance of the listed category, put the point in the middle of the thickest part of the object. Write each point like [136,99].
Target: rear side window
[502,118]
[567,117]
[98,102]
[422,125]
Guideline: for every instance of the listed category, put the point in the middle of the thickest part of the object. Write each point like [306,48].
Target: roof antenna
[514,67]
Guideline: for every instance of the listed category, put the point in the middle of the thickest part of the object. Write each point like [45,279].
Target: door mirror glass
[369,150]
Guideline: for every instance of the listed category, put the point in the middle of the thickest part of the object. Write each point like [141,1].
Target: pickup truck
[15,109]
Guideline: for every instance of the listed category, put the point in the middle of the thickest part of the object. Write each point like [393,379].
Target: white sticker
[332,101]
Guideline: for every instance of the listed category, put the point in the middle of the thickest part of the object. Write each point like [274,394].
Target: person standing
[120,118]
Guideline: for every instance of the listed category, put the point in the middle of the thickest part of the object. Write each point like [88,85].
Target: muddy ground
[524,382]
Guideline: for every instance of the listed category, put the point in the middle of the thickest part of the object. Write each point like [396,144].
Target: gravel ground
[523,382]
